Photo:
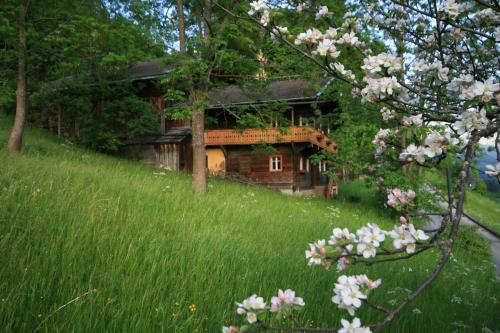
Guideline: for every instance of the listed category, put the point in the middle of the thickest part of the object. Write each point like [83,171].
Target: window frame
[271,166]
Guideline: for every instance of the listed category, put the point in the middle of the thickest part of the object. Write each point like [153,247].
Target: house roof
[284,90]
[175,135]
[145,70]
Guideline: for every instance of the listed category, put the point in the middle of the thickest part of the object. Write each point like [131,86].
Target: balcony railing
[270,136]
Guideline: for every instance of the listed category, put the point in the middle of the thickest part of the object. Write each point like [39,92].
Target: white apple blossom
[387,114]
[279,30]
[450,8]
[349,291]
[486,15]
[406,236]
[311,36]
[326,47]
[301,7]
[373,65]
[264,19]
[420,66]
[331,33]
[371,234]
[349,38]
[442,72]
[458,83]
[285,300]
[379,87]
[348,74]
[417,120]
[485,89]
[471,120]
[492,170]
[413,152]
[251,317]
[251,304]
[354,327]
[321,12]
[257,6]
[342,239]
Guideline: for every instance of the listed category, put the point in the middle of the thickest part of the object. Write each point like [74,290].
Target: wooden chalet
[231,152]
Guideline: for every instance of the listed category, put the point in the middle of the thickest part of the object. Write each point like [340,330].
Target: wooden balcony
[270,136]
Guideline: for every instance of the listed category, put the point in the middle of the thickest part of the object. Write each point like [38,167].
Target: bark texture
[182,27]
[16,135]
[199,154]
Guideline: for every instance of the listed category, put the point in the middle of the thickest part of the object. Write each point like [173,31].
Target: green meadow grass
[484,209]
[72,220]
[477,205]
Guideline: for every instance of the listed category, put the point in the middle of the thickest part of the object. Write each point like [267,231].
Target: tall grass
[72,220]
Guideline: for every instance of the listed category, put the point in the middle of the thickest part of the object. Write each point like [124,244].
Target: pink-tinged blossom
[230,329]
[316,253]
[416,121]
[285,300]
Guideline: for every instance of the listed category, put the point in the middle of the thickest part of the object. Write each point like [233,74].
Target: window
[275,163]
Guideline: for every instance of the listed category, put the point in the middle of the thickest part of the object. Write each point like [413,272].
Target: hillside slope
[72,220]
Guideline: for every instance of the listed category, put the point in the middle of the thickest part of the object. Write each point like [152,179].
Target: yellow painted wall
[216,161]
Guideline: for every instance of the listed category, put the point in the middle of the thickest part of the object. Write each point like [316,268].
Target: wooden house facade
[232,153]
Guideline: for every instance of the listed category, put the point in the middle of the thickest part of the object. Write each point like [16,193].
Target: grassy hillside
[72,220]
[477,205]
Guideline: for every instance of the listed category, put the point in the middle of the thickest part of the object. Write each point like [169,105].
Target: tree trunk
[207,13]
[182,27]
[16,135]
[199,153]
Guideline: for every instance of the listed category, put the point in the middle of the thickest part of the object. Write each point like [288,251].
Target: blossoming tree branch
[436,87]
